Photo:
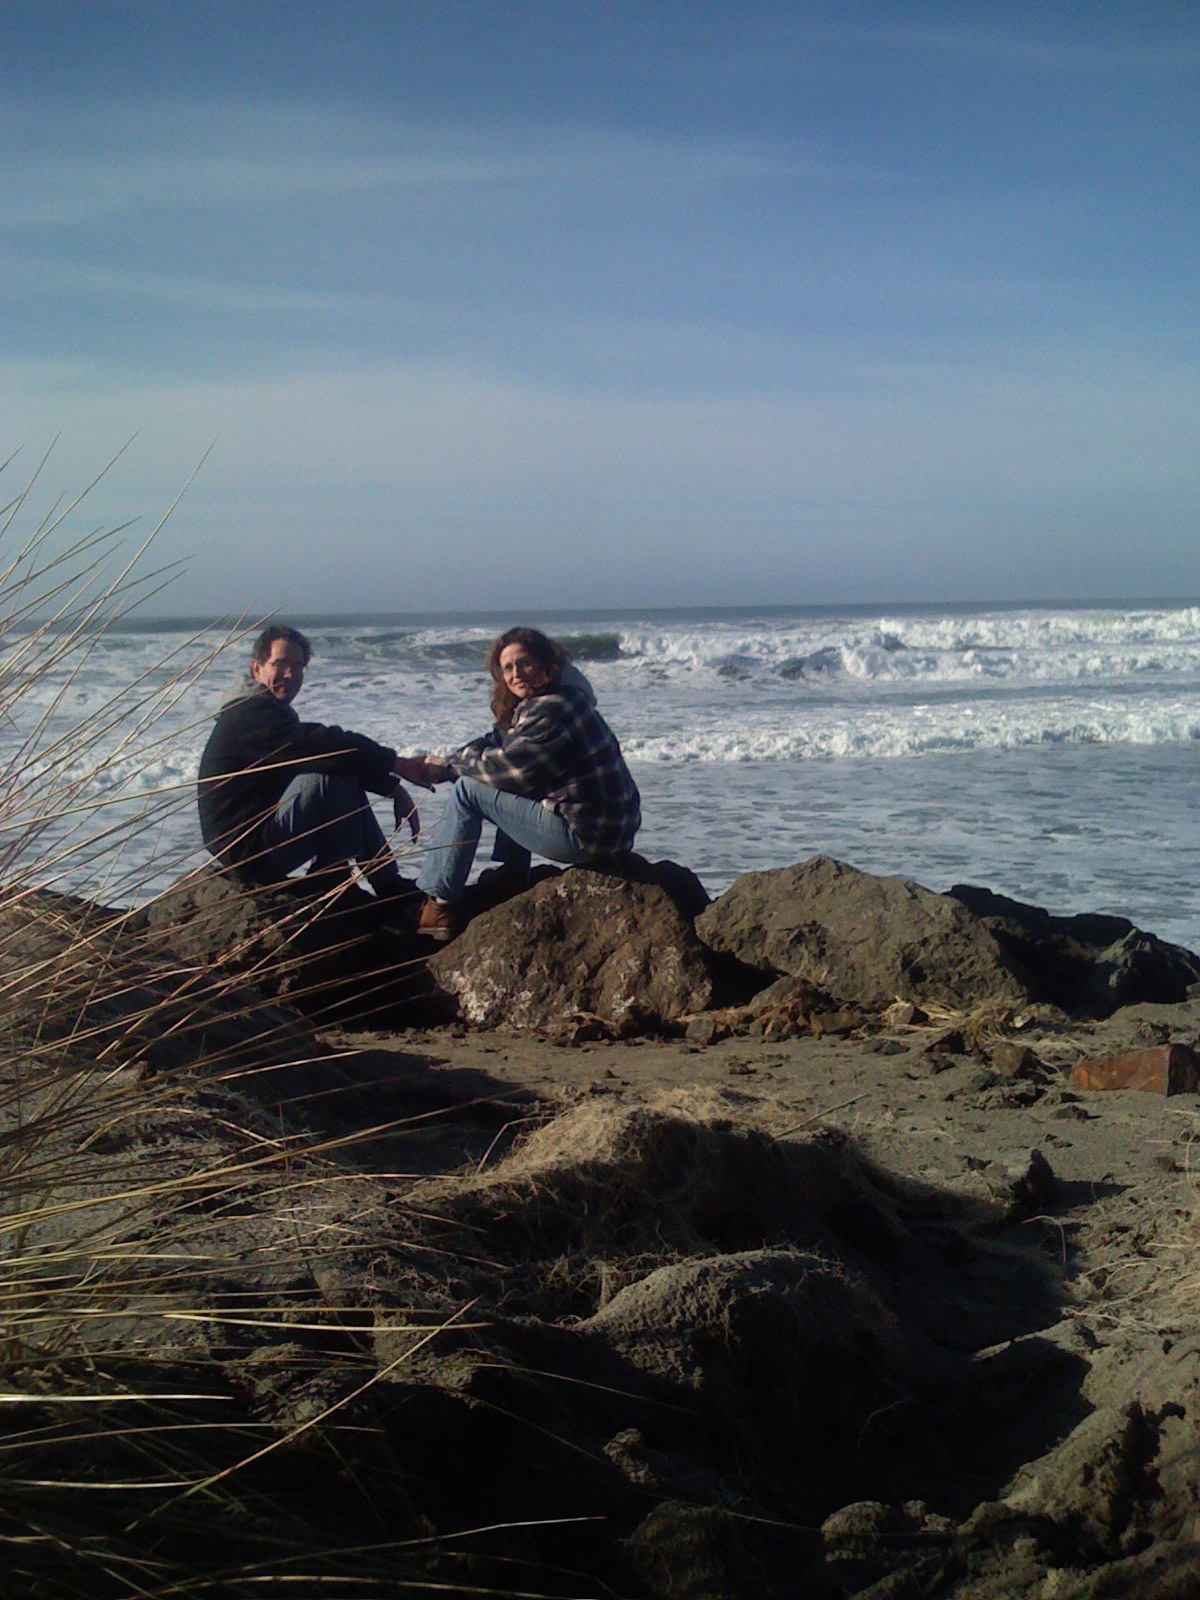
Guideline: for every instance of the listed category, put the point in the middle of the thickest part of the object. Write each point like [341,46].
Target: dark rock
[1013,1060]
[582,1030]
[950,1042]
[782,1022]
[838,1021]
[1071,1111]
[344,955]
[1014,1096]
[109,988]
[794,993]
[792,1006]
[1034,1185]
[701,1030]
[904,1014]
[1090,965]
[584,941]
[872,941]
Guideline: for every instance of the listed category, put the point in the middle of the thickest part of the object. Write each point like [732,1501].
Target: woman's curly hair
[549,655]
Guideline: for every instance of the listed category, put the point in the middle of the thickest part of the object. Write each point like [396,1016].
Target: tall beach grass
[157,1206]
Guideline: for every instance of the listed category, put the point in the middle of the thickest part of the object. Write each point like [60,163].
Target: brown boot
[437,921]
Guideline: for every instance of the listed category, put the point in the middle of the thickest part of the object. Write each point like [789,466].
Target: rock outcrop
[618,948]
[869,940]
[85,983]
[1088,964]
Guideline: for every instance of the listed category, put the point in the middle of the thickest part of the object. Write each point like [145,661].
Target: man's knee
[332,794]
[342,793]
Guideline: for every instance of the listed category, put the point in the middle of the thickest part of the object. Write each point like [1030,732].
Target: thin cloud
[1043,46]
[200,159]
[53,276]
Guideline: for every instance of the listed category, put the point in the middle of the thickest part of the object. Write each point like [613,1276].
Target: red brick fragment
[1164,1069]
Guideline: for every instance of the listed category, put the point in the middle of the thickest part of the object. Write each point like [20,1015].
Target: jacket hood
[243,689]
[571,678]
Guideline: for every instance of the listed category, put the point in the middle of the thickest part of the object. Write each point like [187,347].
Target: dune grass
[179,1368]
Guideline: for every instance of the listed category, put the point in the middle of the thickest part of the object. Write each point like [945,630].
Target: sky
[483,304]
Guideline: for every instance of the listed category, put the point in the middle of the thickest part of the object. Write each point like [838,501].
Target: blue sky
[578,303]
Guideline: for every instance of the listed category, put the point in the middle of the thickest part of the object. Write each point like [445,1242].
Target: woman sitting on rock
[550,776]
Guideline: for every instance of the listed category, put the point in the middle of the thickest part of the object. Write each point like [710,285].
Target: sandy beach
[867,1308]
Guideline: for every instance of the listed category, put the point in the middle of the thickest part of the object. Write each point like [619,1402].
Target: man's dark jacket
[255,750]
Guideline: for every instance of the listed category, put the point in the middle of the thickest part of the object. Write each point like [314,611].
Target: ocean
[1051,753]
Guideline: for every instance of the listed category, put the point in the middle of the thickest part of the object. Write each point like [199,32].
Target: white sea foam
[1031,647]
[757,735]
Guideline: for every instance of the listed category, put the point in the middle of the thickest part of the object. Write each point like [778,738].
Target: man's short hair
[278,630]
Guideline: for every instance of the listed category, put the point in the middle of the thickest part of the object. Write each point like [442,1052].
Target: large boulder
[582,943]
[864,939]
[329,953]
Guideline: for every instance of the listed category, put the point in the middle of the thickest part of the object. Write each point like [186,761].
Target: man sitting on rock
[276,793]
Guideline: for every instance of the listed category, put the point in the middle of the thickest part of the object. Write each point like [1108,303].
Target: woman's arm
[537,754]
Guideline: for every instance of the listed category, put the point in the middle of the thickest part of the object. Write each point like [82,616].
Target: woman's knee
[465,794]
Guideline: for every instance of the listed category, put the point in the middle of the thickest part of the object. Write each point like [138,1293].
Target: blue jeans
[522,826]
[326,818]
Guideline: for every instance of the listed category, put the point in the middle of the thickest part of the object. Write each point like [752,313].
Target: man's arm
[419,770]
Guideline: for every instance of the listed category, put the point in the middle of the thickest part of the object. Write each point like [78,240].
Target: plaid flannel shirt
[559,749]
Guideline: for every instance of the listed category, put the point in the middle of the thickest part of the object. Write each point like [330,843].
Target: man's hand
[404,810]
[422,770]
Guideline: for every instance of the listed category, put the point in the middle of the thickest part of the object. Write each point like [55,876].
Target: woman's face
[523,674]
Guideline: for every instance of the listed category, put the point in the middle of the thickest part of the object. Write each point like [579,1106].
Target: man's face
[282,673]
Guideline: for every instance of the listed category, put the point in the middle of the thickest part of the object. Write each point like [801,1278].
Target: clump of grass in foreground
[176,1379]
